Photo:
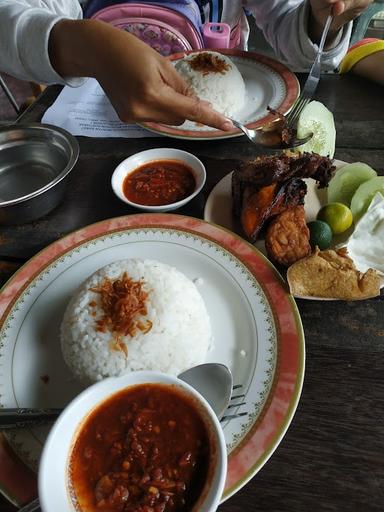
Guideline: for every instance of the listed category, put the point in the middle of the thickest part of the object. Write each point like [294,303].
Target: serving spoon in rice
[212,380]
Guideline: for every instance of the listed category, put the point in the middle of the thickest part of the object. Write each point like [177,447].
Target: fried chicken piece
[287,237]
[259,206]
[267,185]
[263,204]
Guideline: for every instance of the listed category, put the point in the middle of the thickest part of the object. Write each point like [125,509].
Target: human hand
[140,83]
[343,12]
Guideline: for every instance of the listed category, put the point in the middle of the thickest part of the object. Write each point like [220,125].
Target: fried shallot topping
[207,63]
[123,302]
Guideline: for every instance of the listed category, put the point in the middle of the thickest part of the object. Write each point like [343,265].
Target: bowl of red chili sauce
[159,180]
[144,441]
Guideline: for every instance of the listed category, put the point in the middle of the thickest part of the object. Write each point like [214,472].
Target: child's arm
[365,58]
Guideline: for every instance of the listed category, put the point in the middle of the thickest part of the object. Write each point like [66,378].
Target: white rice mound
[180,336]
[225,91]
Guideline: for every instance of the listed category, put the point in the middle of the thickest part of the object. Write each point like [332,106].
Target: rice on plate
[215,78]
[135,315]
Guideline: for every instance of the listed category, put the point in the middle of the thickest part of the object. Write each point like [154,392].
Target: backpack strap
[215,11]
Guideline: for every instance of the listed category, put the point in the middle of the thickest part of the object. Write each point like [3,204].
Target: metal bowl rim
[75,150]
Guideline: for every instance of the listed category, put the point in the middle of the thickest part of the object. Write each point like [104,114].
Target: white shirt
[25,26]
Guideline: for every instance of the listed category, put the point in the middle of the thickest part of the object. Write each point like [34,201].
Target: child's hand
[343,12]
[141,84]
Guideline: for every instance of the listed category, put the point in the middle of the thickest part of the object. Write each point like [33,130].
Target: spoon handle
[20,418]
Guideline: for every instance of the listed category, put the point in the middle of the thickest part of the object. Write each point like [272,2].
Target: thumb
[338,8]
[172,78]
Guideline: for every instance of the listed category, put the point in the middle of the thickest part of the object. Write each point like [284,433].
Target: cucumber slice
[316,118]
[347,180]
[364,194]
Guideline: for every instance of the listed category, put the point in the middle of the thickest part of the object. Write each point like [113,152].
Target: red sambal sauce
[159,182]
[145,449]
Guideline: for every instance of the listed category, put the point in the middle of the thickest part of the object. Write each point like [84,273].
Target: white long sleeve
[25,26]
[24,32]
[284,24]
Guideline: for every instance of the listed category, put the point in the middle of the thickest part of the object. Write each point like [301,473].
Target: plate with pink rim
[268,83]
[256,327]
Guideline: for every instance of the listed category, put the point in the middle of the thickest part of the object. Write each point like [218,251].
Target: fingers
[338,8]
[172,78]
[194,109]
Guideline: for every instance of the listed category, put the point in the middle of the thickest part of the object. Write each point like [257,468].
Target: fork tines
[235,397]
[233,416]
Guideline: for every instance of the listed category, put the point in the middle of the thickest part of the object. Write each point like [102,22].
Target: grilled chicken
[266,186]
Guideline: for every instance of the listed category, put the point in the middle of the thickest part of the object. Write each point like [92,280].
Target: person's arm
[45,42]
[25,26]
[290,28]
[140,83]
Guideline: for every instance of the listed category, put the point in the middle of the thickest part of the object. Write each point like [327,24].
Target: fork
[232,405]
[312,81]
[11,418]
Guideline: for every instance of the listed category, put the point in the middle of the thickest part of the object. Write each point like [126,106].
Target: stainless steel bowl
[35,161]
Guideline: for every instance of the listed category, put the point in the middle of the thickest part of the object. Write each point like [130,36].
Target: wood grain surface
[332,456]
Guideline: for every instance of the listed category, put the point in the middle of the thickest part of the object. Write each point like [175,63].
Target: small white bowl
[53,480]
[131,163]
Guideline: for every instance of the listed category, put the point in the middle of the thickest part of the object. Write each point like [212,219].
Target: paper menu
[87,111]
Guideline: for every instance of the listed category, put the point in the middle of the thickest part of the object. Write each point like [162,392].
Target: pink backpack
[168,30]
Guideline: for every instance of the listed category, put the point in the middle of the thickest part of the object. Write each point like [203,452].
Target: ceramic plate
[256,326]
[218,209]
[267,82]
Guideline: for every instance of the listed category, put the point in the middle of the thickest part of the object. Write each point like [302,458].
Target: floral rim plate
[256,326]
[267,82]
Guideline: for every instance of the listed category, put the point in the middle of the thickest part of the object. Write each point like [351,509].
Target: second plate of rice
[267,82]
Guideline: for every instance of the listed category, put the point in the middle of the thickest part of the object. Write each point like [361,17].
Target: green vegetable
[347,180]
[316,118]
[364,194]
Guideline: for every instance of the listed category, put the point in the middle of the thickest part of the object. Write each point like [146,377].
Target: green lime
[320,234]
[337,216]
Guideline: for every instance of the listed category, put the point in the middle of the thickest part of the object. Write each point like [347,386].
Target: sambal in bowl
[159,180]
[142,441]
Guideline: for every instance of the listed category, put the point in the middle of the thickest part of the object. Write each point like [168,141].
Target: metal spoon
[271,136]
[212,380]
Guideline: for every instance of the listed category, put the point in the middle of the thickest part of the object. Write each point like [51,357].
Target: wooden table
[332,457]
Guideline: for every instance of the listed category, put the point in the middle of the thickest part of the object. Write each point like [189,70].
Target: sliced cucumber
[347,180]
[364,194]
[316,118]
